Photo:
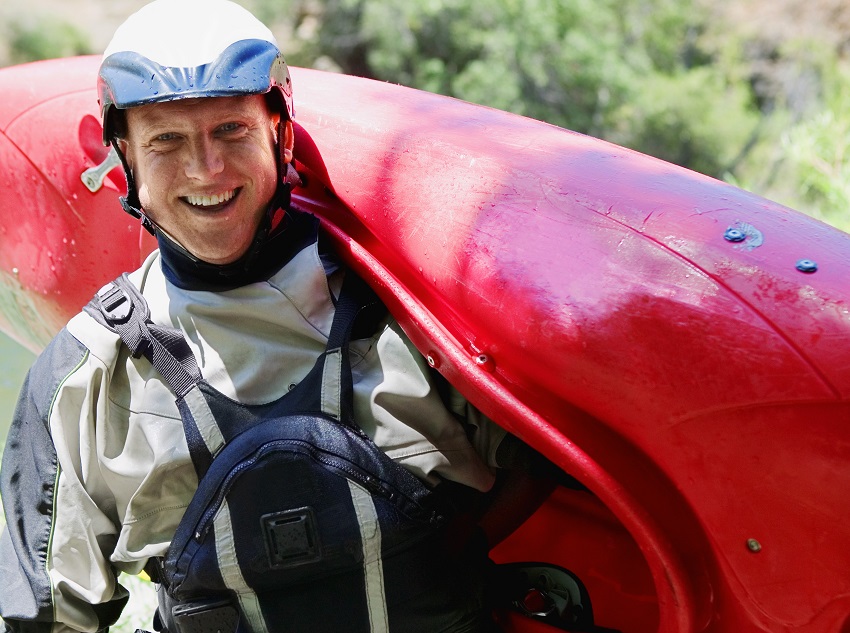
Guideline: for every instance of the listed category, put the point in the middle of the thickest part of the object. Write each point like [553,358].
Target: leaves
[617,70]
[45,38]
[819,149]
[677,79]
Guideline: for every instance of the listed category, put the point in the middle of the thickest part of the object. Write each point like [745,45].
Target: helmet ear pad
[115,124]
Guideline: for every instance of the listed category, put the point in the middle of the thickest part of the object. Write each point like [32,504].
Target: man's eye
[229,127]
[168,136]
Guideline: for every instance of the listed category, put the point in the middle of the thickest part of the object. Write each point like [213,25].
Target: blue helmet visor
[128,79]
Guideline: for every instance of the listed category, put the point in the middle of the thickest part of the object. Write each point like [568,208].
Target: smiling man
[206,169]
[106,453]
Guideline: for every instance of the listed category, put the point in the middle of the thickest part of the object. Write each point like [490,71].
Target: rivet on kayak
[484,362]
[753,545]
[734,235]
[807,266]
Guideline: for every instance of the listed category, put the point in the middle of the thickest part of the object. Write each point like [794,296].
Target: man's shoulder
[89,327]
[93,336]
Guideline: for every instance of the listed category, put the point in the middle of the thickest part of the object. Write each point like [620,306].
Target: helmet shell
[181,49]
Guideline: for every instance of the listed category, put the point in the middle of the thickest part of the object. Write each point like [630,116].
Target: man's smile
[210,202]
[206,170]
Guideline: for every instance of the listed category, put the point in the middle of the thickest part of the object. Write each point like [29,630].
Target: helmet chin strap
[130,203]
[149,225]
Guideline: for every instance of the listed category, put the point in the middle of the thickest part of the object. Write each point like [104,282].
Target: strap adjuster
[116,305]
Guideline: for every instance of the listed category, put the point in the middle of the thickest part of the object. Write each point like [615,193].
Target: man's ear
[288,142]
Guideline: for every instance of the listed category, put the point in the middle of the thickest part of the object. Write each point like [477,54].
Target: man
[97,473]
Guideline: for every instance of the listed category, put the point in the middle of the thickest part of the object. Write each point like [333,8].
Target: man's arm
[36,491]
[525,481]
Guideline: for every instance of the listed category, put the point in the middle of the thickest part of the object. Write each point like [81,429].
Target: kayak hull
[676,344]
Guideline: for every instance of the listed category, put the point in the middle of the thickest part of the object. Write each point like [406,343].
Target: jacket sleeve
[54,550]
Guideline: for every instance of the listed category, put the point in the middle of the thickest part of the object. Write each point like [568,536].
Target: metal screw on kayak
[806,266]
[753,545]
[734,235]
[484,362]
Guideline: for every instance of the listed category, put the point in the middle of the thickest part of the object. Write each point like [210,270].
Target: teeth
[209,201]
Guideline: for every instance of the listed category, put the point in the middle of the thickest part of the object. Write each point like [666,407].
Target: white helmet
[179,49]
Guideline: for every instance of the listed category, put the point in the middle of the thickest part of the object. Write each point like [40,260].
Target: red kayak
[678,345]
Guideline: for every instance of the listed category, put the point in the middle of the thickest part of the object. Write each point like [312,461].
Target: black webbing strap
[355,298]
[127,312]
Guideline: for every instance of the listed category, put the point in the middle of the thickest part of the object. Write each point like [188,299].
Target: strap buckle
[115,303]
[205,616]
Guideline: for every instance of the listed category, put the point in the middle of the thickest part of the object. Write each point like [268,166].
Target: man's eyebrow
[153,129]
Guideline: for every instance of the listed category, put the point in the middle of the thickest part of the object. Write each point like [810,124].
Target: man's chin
[219,258]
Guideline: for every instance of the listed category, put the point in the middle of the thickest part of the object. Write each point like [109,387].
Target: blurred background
[753,92]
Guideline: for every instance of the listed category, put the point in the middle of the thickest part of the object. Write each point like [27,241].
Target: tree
[45,38]
[632,72]
[819,149]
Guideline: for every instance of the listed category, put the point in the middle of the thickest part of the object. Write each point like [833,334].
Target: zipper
[372,484]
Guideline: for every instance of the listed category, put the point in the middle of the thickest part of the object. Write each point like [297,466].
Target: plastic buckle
[292,538]
[115,303]
[206,616]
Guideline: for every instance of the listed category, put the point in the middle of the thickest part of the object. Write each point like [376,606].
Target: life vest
[300,522]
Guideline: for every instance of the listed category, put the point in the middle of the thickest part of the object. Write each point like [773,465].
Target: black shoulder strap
[125,311]
[356,299]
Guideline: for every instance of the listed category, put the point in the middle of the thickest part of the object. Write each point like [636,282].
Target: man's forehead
[197,108]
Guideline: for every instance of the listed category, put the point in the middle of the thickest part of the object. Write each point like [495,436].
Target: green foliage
[138,614]
[16,361]
[800,155]
[819,148]
[632,72]
[693,118]
[270,11]
[669,78]
[45,38]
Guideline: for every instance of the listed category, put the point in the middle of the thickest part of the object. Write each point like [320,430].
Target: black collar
[269,252]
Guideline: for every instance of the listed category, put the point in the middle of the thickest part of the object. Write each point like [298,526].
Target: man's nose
[205,159]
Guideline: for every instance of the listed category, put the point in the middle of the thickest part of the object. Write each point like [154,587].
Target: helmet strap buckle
[137,213]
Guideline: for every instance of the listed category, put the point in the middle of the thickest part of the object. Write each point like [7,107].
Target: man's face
[205,170]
